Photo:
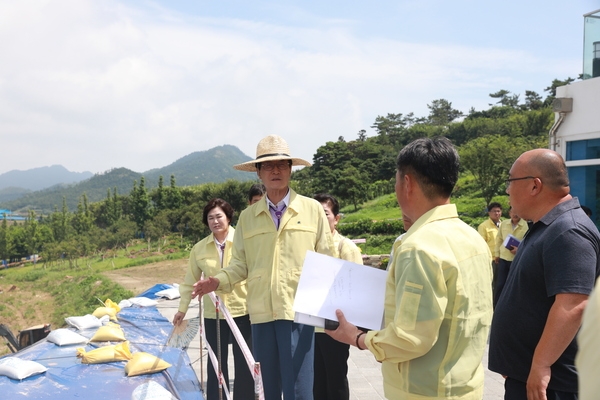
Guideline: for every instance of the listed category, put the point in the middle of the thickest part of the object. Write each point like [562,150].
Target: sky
[95,85]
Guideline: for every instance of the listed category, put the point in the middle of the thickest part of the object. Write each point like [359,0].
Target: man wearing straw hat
[271,241]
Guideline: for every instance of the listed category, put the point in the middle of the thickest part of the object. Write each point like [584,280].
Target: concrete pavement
[364,373]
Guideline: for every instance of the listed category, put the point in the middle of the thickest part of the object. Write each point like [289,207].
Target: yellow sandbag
[145,363]
[112,304]
[109,333]
[117,352]
[102,311]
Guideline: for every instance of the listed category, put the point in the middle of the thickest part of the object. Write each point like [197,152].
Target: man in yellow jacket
[269,247]
[438,300]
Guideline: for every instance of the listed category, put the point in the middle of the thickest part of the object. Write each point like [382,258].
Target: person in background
[488,230]
[438,298]
[255,193]
[331,356]
[208,256]
[502,256]
[271,241]
[532,341]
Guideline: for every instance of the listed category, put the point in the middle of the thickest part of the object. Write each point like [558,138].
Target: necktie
[278,213]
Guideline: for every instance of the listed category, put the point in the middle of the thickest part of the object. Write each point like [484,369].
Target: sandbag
[102,311]
[15,368]
[65,337]
[84,322]
[109,333]
[145,363]
[117,352]
[151,391]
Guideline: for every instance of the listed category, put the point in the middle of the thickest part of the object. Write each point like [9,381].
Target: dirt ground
[21,307]
[138,279]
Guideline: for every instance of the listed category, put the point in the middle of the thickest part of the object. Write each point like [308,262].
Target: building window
[583,150]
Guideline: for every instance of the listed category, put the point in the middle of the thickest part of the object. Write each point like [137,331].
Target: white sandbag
[143,301]
[64,337]
[172,293]
[15,368]
[151,391]
[125,303]
[84,322]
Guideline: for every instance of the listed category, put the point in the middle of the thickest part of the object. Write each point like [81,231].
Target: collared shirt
[488,231]
[346,249]
[204,257]
[506,228]
[281,206]
[438,309]
[559,255]
[271,260]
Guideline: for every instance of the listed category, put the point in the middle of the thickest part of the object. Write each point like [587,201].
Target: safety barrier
[253,366]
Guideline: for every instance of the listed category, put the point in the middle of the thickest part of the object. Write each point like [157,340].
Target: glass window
[585,185]
[583,150]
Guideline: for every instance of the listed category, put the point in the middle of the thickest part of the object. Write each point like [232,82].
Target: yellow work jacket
[270,259]
[438,311]
[204,257]
[346,249]
[488,231]
[506,229]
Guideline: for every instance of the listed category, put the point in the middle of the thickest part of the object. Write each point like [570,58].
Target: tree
[174,196]
[82,220]
[352,186]
[140,204]
[552,89]
[533,101]
[489,158]
[6,244]
[160,196]
[442,113]
[505,99]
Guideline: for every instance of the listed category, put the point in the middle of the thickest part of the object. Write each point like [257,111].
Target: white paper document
[328,283]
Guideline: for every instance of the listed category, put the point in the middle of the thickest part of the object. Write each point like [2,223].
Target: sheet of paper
[328,283]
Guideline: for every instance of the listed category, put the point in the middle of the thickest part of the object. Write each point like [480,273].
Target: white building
[576,131]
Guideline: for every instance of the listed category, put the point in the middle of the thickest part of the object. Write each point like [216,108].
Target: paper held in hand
[511,241]
[328,283]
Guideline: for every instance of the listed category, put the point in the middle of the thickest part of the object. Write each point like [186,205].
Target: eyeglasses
[509,180]
[271,166]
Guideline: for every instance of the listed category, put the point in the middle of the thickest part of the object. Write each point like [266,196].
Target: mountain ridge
[213,165]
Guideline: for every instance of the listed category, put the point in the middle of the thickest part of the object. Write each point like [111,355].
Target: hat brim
[250,166]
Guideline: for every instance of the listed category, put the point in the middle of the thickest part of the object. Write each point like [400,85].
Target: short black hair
[434,162]
[327,198]
[493,204]
[225,206]
[258,189]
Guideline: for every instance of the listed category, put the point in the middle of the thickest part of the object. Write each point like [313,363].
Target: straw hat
[271,148]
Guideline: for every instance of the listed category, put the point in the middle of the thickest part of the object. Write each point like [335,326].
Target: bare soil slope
[138,279]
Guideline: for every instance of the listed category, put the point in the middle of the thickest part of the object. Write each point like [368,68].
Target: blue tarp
[151,293]
[67,378]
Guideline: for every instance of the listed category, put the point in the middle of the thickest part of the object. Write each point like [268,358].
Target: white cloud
[96,85]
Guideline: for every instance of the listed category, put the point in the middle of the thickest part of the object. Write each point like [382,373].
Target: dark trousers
[517,390]
[500,276]
[243,384]
[331,368]
[285,351]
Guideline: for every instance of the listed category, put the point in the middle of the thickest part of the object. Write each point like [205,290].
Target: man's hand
[513,250]
[178,318]
[205,286]
[346,332]
[496,260]
[537,382]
